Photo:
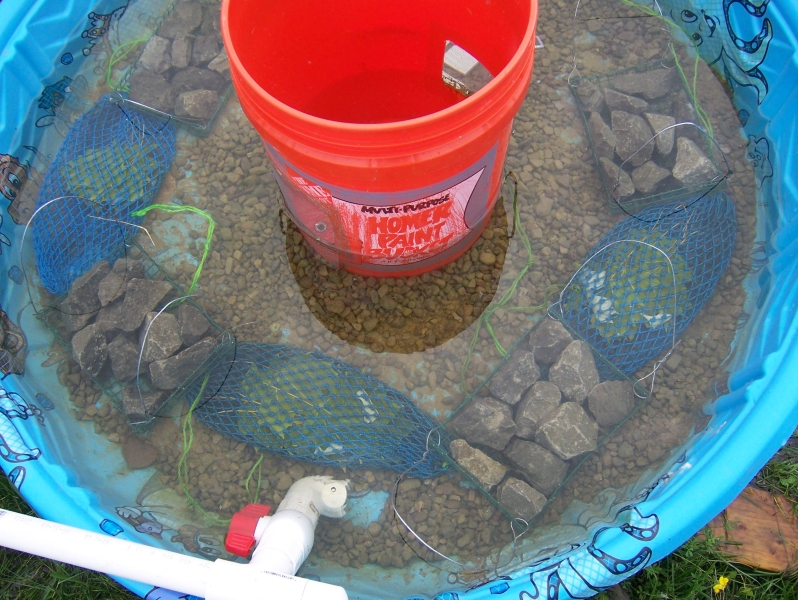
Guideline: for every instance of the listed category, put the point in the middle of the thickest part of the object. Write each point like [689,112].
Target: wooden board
[761,531]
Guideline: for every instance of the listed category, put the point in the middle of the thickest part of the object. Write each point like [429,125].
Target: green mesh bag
[305,405]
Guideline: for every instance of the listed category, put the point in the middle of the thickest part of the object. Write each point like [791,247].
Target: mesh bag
[305,405]
[110,164]
[645,280]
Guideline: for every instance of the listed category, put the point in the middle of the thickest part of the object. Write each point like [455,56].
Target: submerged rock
[618,101]
[522,500]
[159,338]
[660,123]
[649,84]
[140,409]
[604,139]
[575,372]
[570,433]
[89,349]
[185,18]
[538,406]
[648,176]
[124,355]
[484,469]
[610,402]
[193,324]
[618,180]
[486,421]
[548,340]
[634,138]
[201,104]
[152,89]
[692,165]
[515,376]
[542,469]
[171,372]
[83,301]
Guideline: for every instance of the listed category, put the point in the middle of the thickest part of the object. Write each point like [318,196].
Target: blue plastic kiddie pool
[69,475]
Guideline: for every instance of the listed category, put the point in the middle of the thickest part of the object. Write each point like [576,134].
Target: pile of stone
[183,69]
[623,117]
[109,318]
[545,411]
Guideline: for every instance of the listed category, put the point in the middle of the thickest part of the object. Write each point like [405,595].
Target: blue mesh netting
[110,164]
[647,278]
[305,405]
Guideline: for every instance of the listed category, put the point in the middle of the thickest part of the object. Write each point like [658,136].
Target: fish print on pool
[13,448]
[158,593]
[712,31]
[13,346]
[17,476]
[101,28]
[758,154]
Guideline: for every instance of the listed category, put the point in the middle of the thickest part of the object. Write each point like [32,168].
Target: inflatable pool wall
[57,462]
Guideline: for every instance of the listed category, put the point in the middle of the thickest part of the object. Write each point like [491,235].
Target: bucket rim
[466,105]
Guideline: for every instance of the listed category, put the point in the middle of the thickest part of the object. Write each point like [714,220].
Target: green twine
[484,318]
[692,86]
[176,208]
[115,59]
[182,466]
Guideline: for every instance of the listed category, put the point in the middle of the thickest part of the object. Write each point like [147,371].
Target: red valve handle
[240,537]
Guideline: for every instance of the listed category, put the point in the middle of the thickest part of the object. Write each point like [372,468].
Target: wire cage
[185,55]
[646,137]
[513,470]
[138,398]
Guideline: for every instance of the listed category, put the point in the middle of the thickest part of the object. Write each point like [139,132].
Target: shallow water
[414,334]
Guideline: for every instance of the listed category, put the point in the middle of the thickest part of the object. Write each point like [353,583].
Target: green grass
[26,577]
[688,574]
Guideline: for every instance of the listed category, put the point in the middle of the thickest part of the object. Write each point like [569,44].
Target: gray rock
[692,165]
[112,287]
[129,268]
[157,55]
[660,123]
[515,377]
[623,102]
[141,297]
[541,468]
[603,138]
[548,340]
[486,421]
[590,96]
[570,433]
[82,301]
[211,20]
[151,89]
[523,501]
[109,319]
[633,134]
[140,409]
[651,84]
[648,176]
[185,18]
[193,324]
[221,64]
[484,469]
[618,180]
[200,103]
[169,373]
[159,338]
[194,78]
[575,372]
[124,355]
[610,402]
[538,406]
[181,51]
[90,350]
[206,48]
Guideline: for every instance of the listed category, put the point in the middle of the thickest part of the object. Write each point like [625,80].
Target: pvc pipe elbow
[317,495]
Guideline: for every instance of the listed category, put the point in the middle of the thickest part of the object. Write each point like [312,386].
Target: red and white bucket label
[390,235]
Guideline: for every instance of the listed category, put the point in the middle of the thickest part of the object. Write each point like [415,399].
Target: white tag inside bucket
[462,71]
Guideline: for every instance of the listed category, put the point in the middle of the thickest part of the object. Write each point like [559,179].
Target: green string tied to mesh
[501,303]
[117,56]
[177,208]
[692,85]
[182,466]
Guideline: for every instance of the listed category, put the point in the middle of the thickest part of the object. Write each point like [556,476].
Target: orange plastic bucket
[386,169]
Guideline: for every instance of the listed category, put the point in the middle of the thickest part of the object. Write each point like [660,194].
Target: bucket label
[389,235]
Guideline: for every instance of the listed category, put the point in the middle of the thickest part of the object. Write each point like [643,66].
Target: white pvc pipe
[220,580]
[103,553]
